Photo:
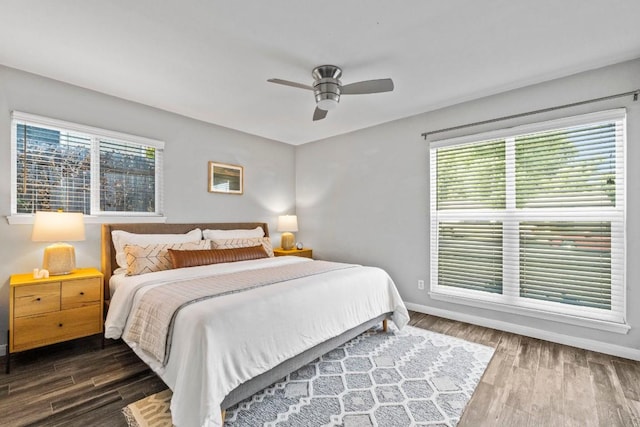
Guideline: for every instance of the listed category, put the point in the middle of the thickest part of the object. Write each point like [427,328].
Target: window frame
[96,134]
[509,301]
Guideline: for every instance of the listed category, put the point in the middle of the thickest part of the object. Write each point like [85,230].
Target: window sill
[603,325]
[91,219]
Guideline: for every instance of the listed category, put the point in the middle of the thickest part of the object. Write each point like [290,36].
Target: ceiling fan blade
[368,86]
[319,114]
[292,84]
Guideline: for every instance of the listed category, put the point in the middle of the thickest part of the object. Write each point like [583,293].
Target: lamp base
[287,241]
[59,258]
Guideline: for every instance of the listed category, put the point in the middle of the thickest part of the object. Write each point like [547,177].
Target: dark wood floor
[74,384]
[529,382]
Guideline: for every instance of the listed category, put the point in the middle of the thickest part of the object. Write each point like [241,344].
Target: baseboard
[587,344]
[3,349]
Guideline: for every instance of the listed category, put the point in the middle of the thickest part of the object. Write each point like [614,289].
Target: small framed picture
[224,178]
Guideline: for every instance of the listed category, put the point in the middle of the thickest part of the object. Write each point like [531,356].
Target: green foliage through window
[567,168]
[472,176]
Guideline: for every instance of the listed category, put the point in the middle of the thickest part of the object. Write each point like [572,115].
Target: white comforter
[222,342]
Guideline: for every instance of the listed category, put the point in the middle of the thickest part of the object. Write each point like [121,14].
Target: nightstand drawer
[78,293]
[34,331]
[36,299]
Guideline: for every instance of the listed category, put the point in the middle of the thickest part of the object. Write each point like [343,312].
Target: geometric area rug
[412,377]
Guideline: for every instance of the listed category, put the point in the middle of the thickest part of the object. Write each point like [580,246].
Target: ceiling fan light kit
[327,88]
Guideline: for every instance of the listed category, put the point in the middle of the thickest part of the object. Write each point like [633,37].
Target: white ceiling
[210,59]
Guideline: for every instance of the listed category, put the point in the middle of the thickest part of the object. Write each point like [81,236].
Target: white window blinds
[53,169]
[127,176]
[76,168]
[533,217]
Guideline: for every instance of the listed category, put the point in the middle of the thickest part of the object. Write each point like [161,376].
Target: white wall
[269,167]
[363,197]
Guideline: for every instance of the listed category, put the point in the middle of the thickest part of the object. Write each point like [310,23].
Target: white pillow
[122,238]
[233,234]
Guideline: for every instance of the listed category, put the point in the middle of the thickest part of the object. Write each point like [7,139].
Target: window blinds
[53,170]
[127,177]
[471,176]
[77,168]
[533,217]
[568,167]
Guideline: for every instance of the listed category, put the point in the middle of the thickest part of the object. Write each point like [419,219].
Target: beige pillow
[182,259]
[155,257]
[243,243]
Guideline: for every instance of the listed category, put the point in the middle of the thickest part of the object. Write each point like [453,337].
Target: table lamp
[59,258]
[287,224]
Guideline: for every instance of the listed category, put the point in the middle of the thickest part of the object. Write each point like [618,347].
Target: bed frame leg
[224,414]
[384,325]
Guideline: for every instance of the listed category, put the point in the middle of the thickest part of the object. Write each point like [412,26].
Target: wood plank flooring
[74,384]
[535,383]
[528,383]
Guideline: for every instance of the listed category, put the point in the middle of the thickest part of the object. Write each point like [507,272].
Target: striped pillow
[182,258]
[265,242]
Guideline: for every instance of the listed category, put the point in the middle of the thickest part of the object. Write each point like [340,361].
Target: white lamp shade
[59,258]
[287,223]
[58,227]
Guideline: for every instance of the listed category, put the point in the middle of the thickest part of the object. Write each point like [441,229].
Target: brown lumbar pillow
[182,259]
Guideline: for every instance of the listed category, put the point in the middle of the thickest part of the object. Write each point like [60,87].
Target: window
[76,168]
[531,220]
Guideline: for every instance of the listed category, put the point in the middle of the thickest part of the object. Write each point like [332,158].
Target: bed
[226,348]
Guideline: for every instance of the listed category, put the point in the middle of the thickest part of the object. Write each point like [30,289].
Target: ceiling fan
[327,88]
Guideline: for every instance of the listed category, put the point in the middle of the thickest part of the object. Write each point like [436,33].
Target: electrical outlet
[421,285]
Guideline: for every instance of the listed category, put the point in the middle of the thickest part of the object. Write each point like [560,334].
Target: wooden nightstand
[305,252]
[60,308]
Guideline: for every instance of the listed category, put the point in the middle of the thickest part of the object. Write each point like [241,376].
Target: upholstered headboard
[108,253]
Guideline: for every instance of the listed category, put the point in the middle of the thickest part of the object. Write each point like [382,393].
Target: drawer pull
[38,299]
[81,293]
[60,325]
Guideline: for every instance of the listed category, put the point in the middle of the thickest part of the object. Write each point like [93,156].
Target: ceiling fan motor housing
[326,87]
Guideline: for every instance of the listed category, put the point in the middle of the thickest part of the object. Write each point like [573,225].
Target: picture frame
[226,178]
